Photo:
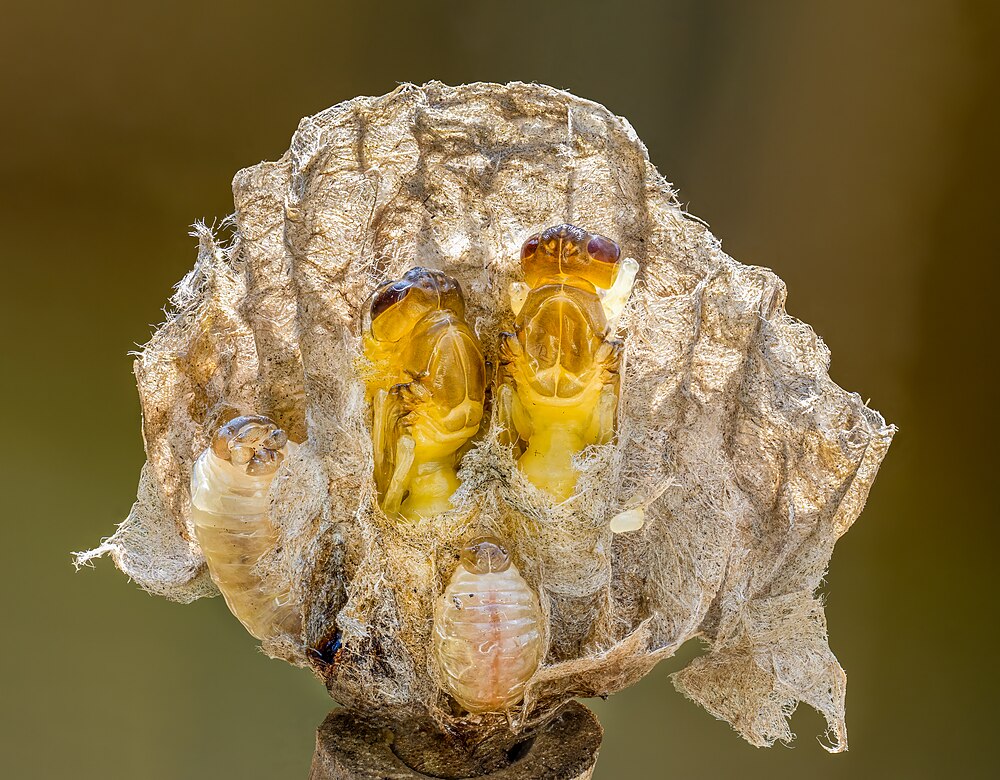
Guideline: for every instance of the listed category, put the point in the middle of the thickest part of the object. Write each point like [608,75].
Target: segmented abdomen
[488,639]
[230,513]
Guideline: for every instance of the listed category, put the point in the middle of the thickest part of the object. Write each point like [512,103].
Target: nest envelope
[747,460]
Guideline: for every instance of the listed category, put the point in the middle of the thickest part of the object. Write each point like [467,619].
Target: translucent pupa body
[488,638]
[229,508]
[427,386]
[559,368]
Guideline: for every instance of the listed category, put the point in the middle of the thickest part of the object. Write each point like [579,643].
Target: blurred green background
[851,147]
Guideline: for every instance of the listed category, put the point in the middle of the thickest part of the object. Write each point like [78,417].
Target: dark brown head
[397,306]
[253,442]
[565,251]
[484,555]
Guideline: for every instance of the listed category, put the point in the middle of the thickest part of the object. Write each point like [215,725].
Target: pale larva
[229,507]
[487,630]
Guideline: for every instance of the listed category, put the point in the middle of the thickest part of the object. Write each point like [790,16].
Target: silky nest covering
[746,459]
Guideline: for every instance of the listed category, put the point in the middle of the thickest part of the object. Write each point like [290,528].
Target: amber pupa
[559,368]
[426,387]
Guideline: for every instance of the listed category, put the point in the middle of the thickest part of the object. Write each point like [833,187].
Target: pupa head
[485,555]
[253,442]
[565,252]
[396,306]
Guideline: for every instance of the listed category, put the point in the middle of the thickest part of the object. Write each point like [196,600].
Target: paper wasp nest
[746,459]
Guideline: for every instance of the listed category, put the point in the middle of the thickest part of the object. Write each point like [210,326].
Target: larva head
[397,306]
[484,555]
[253,442]
[565,252]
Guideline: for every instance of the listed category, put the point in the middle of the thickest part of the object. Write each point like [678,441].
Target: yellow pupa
[559,368]
[427,386]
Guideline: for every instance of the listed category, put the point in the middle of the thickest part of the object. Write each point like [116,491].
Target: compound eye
[388,297]
[529,247]
[603,250]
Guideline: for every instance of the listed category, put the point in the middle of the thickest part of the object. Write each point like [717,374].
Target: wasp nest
[734,466]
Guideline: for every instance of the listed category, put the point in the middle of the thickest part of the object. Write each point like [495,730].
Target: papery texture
[748,461]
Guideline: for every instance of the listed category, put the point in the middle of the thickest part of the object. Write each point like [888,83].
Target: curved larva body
[487,638]
[230,512]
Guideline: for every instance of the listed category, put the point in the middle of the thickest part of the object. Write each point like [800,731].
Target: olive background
[850,146]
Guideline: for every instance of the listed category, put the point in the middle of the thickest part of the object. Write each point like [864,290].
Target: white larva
[229,507]
[487,630]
